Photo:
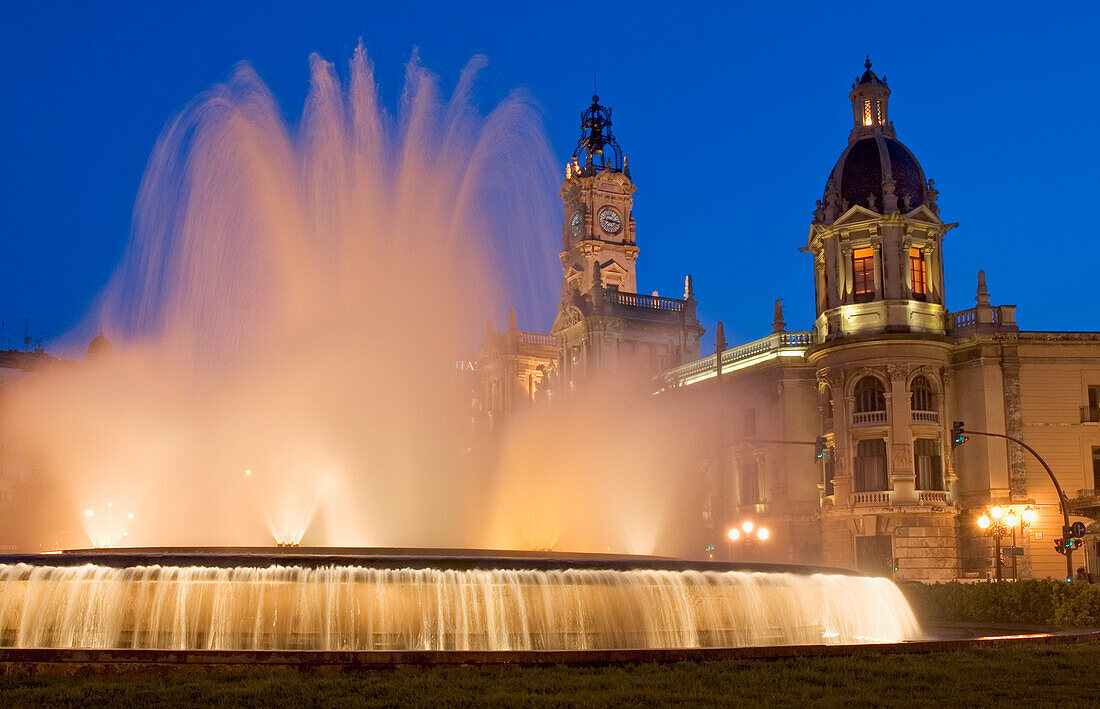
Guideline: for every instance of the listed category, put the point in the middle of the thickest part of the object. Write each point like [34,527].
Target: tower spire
[869,97]
[597,149]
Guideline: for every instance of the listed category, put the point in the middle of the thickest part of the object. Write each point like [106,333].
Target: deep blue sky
[732,115]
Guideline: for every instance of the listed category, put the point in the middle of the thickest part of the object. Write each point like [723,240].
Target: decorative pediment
[924,214]
[856,214]
[567,317]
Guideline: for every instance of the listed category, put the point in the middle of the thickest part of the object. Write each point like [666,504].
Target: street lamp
[996,521]
[748,533]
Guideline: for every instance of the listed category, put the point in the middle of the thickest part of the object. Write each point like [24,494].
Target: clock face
[610,221]
[576,224]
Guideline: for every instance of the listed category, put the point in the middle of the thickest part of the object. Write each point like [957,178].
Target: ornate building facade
[604,326]
[881,375]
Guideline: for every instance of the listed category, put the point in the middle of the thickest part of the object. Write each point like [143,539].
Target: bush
[1036,602]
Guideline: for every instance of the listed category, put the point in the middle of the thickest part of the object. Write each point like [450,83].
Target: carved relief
[1014,426]
[902,458]
[897,371]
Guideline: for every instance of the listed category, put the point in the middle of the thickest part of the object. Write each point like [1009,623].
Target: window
[871,465]
[1096,467]
[868,118]
[863,274]
[919,275]
[750,482]
[830,472]
[1092,411]
[921,398]
[874,555]
[748,423]
[870,395]
[929,464]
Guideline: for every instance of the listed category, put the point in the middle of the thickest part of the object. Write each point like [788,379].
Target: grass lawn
[1065,675]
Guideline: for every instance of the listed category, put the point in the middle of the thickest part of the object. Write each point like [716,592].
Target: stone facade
[892,368]
[876,382]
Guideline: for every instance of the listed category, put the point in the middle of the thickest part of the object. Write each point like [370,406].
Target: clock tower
[597,197]
[604,326]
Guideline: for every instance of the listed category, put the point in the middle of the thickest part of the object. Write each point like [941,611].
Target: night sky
[731,114]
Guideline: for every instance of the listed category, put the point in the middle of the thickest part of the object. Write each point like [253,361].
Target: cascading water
[358,608]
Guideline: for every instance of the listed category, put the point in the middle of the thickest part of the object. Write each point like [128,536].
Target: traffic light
[820,449]
[1060,546]
[1071,544]
[957,436]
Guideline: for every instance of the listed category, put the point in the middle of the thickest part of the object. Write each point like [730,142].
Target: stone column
[845,272]
[876,250]
[932,275]
[902,473]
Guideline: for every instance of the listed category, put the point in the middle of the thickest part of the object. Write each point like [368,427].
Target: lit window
[867,118]
[920,276]
[863,274]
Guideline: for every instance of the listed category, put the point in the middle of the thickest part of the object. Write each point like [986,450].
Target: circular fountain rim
[395,558]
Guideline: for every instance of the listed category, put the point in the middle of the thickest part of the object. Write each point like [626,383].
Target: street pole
[1061,495]
[997,556]
[1015,570]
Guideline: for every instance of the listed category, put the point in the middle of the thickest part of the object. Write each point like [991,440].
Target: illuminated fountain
[285,322]
[439,608]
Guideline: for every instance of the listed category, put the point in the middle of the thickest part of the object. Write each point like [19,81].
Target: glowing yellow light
[996,511]
[984,522]
[747,526]
[1028,515]
[734,534]
[1011,519]
[110,504]
[129,515]
[763,533]
[248,473]
[89,513]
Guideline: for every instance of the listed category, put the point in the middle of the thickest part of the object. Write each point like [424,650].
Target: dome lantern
[870,103]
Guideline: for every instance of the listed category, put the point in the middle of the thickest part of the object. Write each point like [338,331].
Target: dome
[100,346]
[866,164]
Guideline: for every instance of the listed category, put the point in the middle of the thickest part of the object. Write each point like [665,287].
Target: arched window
[921,399]
[870,395]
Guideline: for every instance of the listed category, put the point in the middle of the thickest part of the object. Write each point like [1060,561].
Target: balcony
[653,302]
[875,498]
[1085,503]
[1090,414]
[867,418]
[932,498]
[926,417]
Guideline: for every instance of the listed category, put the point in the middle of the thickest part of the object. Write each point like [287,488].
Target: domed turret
[875,171]
[99,348]
[876,234]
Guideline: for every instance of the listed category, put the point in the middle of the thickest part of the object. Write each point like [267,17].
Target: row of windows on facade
[870,396]
[870,473]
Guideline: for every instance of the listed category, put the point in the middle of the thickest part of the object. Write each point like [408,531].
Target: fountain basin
[240,598]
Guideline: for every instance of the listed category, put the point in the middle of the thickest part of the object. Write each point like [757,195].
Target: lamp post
[749,533]
[997,521]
